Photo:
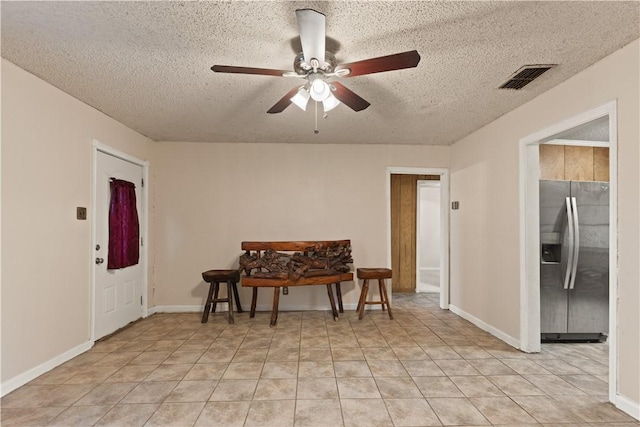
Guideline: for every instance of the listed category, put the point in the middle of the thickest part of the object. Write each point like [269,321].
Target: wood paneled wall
[574,163]
[404,194]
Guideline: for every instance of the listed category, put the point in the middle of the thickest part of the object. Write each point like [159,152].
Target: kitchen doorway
[402,232]
[576,132]
[428,236]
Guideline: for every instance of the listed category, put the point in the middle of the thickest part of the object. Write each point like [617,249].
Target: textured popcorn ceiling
[147,64]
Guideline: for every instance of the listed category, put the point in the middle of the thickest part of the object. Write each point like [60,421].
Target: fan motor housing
[302,68]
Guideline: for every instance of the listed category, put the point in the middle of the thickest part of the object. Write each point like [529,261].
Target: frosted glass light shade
[301,99]
[330,103]
[319,90]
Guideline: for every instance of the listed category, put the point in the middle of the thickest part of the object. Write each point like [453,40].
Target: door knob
[99,260]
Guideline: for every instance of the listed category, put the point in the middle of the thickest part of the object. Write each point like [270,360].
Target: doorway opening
[585,136]
[428,236]
[404,248]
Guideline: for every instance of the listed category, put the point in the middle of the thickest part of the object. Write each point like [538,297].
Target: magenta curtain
[124,228]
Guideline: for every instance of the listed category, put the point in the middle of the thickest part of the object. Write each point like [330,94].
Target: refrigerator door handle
[576,244]
[570,249]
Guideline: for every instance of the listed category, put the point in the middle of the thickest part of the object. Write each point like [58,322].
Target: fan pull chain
[316,131]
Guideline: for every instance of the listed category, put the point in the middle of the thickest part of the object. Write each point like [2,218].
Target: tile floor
[428,367]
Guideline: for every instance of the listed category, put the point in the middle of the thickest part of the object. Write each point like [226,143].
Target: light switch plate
[81,213]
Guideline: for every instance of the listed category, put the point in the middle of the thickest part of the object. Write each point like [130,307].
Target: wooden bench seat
[296,263]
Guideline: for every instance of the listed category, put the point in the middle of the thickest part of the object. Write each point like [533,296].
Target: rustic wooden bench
[284,264]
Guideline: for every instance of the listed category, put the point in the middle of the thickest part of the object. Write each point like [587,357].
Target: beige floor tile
[545,409]
[515,385]
[166,345]
[243,371]
[476,386]
[169,373]
[491,367]
[28,416]
[318,413]
[271,413]
[410,353]
[192,391]
[379,353]
[411,413]
[232,390]
[442,353]
[587,383]
[592,409]
[283,354]
[525,367]
[150,392]
[315,370]
[342,354]
[457,411]
[80,416]
[314,342]
[280,370]
[502,410]
[456,367]
[117,359]
[315,354]
[151,357]
[217,355]
[317,388]
[560,367]
[250,355]
[357,388]
[59,375]
[128,415]
[553,385]
[365,412]
[179,357]
[176,414]
[223,414]
[46,395]
[92,374]
[422,368]
[397,387]
[206,371]
[276,389]
[352,368]
[437,387]
[387,368]
[106,394]
[131,373]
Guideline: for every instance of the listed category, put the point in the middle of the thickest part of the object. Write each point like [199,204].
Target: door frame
[419,225]
[97,146]
[530,232]
[444,221]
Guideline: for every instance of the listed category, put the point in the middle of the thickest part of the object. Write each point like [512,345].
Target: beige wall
[485,258]
[211,197]
[46,173]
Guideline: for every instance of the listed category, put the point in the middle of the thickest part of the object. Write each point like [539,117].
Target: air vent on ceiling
[525,75]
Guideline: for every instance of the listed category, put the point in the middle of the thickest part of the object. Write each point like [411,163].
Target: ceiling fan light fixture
[330,103]
[301,99]
[319,90]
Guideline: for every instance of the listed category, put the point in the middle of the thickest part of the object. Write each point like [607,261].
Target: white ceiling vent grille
[525,75]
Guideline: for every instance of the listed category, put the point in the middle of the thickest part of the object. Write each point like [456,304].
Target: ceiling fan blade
[397,61]
[348,97]
[280,106]
[311,25]
[248,70]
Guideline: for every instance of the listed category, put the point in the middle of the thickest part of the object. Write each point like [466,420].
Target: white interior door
[118,293]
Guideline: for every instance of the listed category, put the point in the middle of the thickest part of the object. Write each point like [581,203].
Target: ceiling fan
[319,68]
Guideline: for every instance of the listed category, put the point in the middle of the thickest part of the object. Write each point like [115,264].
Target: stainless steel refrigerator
[574,269]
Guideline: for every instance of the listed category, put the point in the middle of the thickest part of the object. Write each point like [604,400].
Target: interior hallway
[427,367]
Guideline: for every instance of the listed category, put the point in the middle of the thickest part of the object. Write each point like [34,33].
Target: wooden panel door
[404,196]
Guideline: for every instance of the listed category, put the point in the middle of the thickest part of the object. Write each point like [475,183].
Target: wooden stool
[373,273]
[214,277]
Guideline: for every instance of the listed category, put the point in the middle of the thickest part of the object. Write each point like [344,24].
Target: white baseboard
[33,373]
[627,405]
[485,326]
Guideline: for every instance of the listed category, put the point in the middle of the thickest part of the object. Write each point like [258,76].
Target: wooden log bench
[290,264]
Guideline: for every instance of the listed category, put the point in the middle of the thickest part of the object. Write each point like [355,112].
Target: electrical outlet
[285,290]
